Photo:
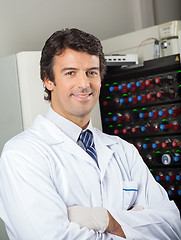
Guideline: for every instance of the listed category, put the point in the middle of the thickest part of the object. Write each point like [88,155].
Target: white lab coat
[43,172]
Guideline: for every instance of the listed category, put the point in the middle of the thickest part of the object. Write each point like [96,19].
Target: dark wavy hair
[74,39]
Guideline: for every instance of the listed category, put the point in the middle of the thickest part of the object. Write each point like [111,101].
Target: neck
[81,121]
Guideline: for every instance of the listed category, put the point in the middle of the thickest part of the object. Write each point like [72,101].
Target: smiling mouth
[82,96]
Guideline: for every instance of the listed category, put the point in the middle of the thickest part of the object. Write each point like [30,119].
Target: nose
[83,80]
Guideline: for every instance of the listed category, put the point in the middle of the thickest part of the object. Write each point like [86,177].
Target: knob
[124,99]
[148,158]
[177,156]
[170,79]
[140,85]
[111,89]
[114,118]
[166,159]
[179,191]
[163,113]
[135,129]
[132,100]
[159,176]
[154,145]
[149,83]
[126,130]
[161,95]
[176,143]
[167,144]
[178,177]
[138,145]
[170,176]
[122,88]
[159,81]
[116,131]
[172,93]
[144,113]
[143,128]
[171,191]
[131,86]
[151,96]
[142,98]
[164,125]
[153,114]
[174,112]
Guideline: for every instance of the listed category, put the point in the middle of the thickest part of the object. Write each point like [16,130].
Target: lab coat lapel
[104,152]
[74,149]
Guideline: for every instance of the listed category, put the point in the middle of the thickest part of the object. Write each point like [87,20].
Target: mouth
[82,96]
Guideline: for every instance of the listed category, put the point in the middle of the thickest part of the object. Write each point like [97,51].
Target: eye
[70,73]
[91,74]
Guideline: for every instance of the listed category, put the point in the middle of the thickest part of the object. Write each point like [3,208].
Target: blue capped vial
[111,89]
[143,128]
[139,98]
[154,145]
[115,118]
[150,114]
[141,115]
[160,113]
[145,146]
[130,99]
[129,85]
[162,127]
[120,87]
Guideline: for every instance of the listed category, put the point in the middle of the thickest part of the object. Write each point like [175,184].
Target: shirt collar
[66,126]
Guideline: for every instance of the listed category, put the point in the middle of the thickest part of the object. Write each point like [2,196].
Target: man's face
[77,85]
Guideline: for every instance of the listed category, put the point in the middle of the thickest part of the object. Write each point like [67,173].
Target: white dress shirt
[43,171]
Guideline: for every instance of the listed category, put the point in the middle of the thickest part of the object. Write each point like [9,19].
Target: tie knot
[86,138]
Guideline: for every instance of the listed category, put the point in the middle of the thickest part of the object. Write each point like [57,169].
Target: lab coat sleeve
[160,219]
[33,209]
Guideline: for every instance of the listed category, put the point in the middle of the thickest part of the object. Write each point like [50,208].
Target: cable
[156,46]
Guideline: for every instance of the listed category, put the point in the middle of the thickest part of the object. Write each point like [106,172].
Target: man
[64,179]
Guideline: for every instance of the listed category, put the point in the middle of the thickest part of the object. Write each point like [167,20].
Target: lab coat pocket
[130,190]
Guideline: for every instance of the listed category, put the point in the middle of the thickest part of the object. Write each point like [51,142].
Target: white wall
[25,25]
[166,10]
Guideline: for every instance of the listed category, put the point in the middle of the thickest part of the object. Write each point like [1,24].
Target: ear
[49,84]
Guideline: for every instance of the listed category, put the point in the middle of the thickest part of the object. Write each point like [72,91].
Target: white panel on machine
[22,93]
[132,43]
[142,42]
[31,87]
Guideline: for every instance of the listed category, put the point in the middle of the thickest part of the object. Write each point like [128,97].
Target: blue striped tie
[86,138]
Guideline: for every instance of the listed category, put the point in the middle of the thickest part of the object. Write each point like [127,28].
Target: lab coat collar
[53,135]
[50,133]
[68,127]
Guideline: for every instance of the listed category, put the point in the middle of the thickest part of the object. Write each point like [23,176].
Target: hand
[114,227]
[95,218]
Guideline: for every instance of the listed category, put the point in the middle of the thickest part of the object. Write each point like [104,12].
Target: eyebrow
[72,68]
[94,68]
